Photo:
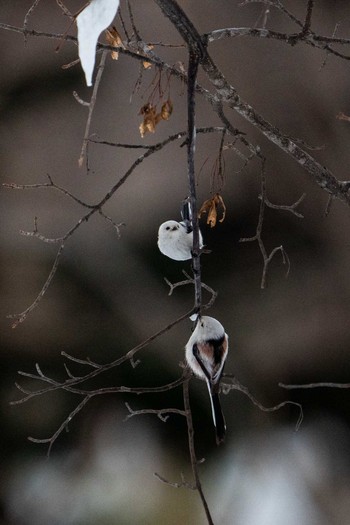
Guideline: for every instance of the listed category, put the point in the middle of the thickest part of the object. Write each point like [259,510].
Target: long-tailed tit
[206,352]
[175,239]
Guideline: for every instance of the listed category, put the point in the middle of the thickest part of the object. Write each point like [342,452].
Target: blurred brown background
[109,294]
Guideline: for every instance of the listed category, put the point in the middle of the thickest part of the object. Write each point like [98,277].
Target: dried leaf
[212,215]
[147,65]
[150,119]
[167,109]
[114,39]
[210,207]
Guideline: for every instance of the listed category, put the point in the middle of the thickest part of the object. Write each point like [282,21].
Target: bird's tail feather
[218,416]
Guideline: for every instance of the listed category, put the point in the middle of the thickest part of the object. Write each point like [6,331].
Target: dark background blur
[109,294]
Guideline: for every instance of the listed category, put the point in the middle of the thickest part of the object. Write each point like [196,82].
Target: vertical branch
[307,23]
[197,50]
[191,146]
[92,106]
[194,462]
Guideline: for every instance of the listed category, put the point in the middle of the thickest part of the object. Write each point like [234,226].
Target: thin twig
[315,385]
[190,280]
[69,383]
[64,9]
[26,18]
[19,318]
[132,21]
[176,485]
[123,24]
[91,106]
[56,385]
[194,462]
[51,440]
[236,385]
[49,184]
[267,258]
[159,412]
[291,208]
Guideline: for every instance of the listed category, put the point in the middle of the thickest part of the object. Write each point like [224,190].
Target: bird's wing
[186,216]
[219,354]
[196,354]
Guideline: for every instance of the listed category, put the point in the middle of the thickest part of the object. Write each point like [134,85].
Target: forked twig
[26,18]
[162,413]
[190,280]
[236,385]
[267,258]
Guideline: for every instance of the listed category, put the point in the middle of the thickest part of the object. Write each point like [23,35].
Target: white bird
[206,352]
[175,239]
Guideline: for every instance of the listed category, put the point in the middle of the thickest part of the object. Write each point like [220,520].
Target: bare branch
[132,21]
[267,258]
[56,385]
[183,483]
[236,385]
[86,362]
[158,412]
[99,369]
[291,208]
[49,184]
[19,318]
[191,145]
[113,223]
[307,23]
[80,100]
[194,462]
[190,280]
[51,440]
[64,9]
[91,106]
[26,18]
[315,385]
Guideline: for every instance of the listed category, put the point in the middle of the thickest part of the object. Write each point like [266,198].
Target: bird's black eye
[202,325]
[167,228]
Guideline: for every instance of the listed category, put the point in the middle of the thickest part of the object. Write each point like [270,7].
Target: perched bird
[206,352]
[175,239]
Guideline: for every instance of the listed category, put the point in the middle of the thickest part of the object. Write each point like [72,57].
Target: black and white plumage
[206,352]
[175,239]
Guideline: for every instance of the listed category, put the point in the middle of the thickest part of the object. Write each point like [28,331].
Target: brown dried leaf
[114,39]
[150,119]
[212,215]
[210,207]
[147,65]
[167,109]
